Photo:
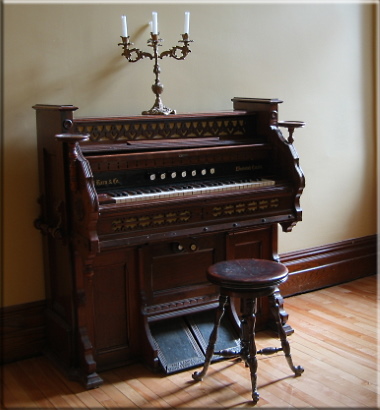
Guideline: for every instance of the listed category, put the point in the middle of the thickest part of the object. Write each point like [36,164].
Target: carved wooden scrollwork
[54,230]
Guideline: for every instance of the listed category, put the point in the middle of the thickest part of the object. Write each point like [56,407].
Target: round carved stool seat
[247,274]
[248,279]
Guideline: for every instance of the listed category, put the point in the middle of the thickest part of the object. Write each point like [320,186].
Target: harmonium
[133,212]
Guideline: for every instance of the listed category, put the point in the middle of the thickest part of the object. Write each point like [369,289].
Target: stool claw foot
[298,370]
[255,397]
[198,376]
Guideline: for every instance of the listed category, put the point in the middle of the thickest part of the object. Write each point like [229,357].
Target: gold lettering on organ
[252,167]
[107,182]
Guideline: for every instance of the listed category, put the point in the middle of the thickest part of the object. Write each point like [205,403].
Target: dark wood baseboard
[22,331]
[329,265]
[23,327]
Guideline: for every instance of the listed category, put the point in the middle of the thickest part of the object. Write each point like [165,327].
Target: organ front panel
[134,210]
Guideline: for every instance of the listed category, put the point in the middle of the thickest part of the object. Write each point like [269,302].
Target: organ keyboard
[134,210]
[171,191]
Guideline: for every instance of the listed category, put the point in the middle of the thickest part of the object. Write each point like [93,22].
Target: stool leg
[198,376]
[248,344]
[275,309]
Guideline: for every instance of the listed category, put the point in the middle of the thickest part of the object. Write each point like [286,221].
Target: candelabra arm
[185,50]
[133,54]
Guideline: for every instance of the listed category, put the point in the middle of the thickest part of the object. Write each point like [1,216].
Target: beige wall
[318,58]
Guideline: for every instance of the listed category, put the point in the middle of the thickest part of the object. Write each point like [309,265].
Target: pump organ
[134,210]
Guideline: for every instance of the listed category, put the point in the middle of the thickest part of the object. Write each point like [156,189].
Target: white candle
[187,22]
[124,27]
[154,23]
[151,26]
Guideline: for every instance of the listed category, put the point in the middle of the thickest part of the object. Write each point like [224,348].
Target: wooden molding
[328,265]
[23,327]
[22,331]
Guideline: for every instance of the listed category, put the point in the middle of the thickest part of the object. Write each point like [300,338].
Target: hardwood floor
[335,340]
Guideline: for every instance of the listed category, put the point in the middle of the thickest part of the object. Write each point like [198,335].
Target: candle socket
[125,40]
[134,54]
[185,37]
[154,37]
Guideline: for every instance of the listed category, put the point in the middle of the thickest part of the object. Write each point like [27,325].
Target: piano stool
[248,279]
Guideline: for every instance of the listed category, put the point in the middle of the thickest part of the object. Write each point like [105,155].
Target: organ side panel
[66,328]
[115,306]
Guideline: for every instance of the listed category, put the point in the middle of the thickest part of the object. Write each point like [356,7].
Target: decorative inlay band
[132,223]
[177,304]
[242,208]
[123,130]
[150,221]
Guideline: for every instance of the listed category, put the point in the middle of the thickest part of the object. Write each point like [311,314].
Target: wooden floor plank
[198,391]
[355,393]
[88,400]
[335,339]
[351,337]
[8,398]
[326,392]
[53,388]
[19,394]
[336,355]
[32,388]
[271,388]
[346,306]
[111,388]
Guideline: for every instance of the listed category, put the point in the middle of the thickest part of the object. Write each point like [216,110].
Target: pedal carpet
[181,342]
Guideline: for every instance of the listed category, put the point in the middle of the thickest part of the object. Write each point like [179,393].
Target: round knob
[212,171]
[152,177]
[193,173]
[177,247]
[193,247]
[203,172]
[163,176]
[183,174]
[67,124]
[173,174]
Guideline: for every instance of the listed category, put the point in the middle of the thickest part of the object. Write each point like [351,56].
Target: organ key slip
[133,212]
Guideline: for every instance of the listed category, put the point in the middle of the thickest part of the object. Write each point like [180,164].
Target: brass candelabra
[133,55]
